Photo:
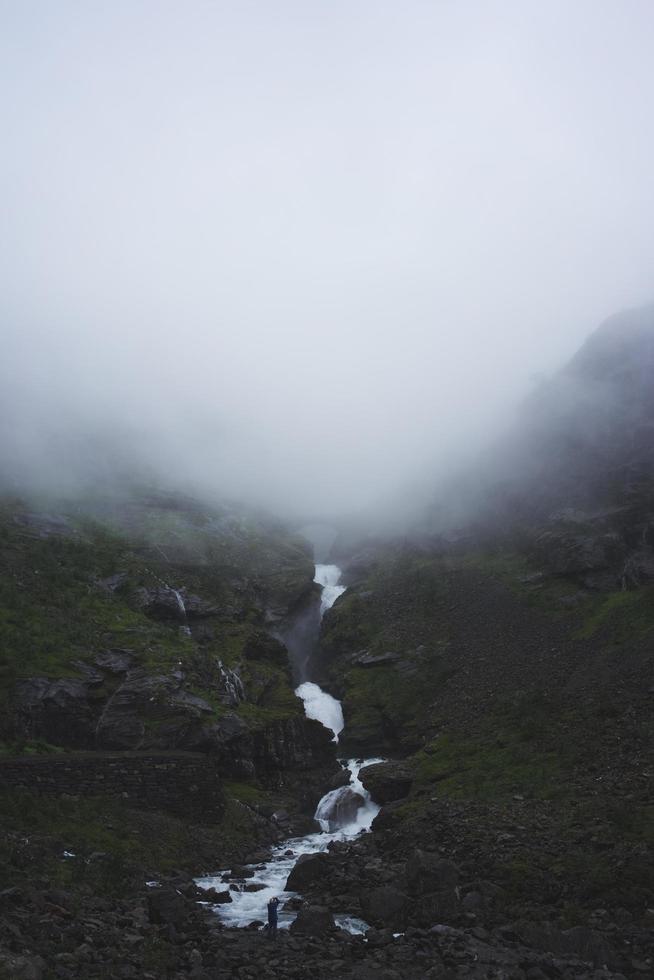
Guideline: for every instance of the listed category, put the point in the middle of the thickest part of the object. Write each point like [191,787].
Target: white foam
[329,577]
[322,707]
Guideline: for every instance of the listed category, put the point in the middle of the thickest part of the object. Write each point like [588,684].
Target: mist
[307,255]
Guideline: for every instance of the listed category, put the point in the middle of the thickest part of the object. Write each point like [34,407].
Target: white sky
[303,251]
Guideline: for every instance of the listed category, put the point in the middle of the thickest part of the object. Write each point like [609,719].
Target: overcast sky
[302,250]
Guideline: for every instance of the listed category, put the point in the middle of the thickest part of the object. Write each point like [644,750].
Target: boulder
[313,920]
[338,808]
[218,898]
[432,884]
[386,781]
[162,602]
[58,711]
[385,906]
[427,873]
[308,869]
[167,907]
[342,778]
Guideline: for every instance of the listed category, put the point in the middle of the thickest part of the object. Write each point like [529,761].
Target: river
[339,813]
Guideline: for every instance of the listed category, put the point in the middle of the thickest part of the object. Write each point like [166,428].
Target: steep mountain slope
[143,624]
[509,659]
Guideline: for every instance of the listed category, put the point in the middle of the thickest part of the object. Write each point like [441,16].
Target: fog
[306,254]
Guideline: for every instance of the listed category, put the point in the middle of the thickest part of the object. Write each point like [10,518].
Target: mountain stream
[341,813]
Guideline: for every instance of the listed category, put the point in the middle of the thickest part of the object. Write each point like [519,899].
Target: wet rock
[339,808]
[386,781]
[341,778]
[313,920]
[163,603]
[308,869]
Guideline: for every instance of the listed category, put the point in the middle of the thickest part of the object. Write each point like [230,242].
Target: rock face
[159,629]
[387,781]
[60,711]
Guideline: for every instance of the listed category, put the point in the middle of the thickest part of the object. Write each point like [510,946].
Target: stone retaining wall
[184,783]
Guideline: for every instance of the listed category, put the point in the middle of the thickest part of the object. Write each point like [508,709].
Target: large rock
[338,808]
[588,944]
[385,906]
[162,603]
[386,781]
[153,710]
[308,869]
[167,906]
[313,920]
[427,873]
[432,884]
[58,711]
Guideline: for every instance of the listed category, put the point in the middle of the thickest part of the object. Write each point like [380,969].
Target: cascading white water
[249,906]
[335,812]
[180,602]
[329,577]
[322,707]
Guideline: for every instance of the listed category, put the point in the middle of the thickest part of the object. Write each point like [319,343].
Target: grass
[621,616]
[54,613]
[130,845]
[488,769]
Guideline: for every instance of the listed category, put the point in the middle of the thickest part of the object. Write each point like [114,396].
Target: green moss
[488,769]
[621,616]
[55,613]
[37,829]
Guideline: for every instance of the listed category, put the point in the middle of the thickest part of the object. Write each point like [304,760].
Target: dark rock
[166,906]
[115,661]
[197,608]
[427,873]
[386,781]
[378,660]
[112,582]
[378,938]
[308,869]
[313,920]
[588,944]
[385,906]
[163,603]
[58,711]
[339,808]
[342,778]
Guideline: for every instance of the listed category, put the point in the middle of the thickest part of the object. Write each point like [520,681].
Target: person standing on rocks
[272,917]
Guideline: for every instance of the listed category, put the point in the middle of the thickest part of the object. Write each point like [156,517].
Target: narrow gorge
[342,813]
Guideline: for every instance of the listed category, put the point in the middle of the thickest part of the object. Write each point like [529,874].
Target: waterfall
[322,707]
[329,577]
[232,684]
[341,813]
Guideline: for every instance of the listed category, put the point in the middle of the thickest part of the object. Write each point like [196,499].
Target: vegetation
[71,586]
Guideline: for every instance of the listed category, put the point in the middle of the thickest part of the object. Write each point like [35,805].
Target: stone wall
[184,783]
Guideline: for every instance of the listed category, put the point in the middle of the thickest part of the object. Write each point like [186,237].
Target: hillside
[509,662]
